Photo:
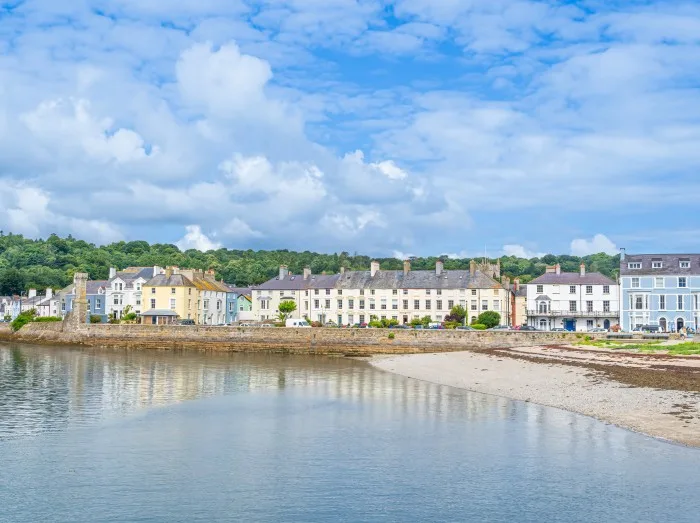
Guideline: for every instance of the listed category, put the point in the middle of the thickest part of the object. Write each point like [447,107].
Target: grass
[680,349]
[687,348]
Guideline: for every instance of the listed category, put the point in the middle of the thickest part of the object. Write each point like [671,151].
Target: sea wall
[289,340]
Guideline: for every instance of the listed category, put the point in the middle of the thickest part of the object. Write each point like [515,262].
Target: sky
[387,128]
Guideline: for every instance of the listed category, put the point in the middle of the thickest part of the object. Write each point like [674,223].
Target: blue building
[660,290]
[238,303]
[96,296]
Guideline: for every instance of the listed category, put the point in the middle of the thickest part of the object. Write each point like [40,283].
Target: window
[473,292]
[484,305]
[589,324]
[362,292]
[450,304]
[231,307]
[540,289]
[306,292]
[394,292]
[138,286]
[684,264]
[172,303]
[682,282]
[190,291]
[172,291]
[153,304]
[218,305]
[496,305]
[138,301]
[362,318]
[405,291]
[572,306]
[638,302]
[438,305]
[98,303]
[680,302]
[340,304]
[206,304]
[316,304]
[439,292]
[589,289]
[189,304]
[281,293]
[662,302]
[116,300]
[495,292]
[416,304]
[427,292]
[306,306]
[316,291]
[474,306]
[340,292]
[589,306]
[572,289]
[606,306]
[371,305]
[635,283]
[427,305]
[383,304]
[634,265]
[395,305]
[328,304]
[371,292]
[328,292]
[657,265]
[659,282]
[405,304]
[362,304]
[351,319]
[351,303]
[606,289]
[153,290]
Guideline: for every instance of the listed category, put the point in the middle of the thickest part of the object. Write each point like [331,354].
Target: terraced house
[660,290]
[352,297]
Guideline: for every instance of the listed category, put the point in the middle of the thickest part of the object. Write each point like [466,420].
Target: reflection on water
[91,436]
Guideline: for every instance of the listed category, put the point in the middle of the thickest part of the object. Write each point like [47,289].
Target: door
[570,325]
[679,324]
[662,324]
[606,324]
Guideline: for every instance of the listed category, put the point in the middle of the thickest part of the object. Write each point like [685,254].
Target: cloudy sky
[378,126]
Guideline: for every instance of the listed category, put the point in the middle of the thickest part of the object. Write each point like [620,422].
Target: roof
[92,287]
[206,284]
[671,264]
[174,280]
[394,279]
[543,297]
[131,274]
[241,291]
[160,312]
[573,278]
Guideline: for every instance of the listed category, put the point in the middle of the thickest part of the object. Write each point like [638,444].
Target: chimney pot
[374,268]
[406,267]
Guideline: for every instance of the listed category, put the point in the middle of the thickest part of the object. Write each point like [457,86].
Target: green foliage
[489,318]
[7,317]
[456,315]
[132,316]
[392,336]
[47,319]
[479,326]
[415,322]
[95,318]
[426,320]
[375,324]
[286,308]
[452,324]
[22,319]
[53,261]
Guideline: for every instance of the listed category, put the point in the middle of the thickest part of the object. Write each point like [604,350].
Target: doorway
[679,324]
[606,325]
[570,325]
[662,324]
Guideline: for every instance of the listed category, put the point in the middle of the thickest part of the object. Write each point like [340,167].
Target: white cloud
[521,252]
[194,238]
[399,255]
[599,243]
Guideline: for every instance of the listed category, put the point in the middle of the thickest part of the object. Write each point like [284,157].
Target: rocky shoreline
[653,394]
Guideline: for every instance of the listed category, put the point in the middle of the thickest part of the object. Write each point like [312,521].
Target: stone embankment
[353,342]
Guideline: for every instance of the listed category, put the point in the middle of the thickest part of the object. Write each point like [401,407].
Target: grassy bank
[688,348]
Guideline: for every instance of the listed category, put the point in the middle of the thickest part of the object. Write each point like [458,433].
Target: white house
[124,289]
[575,301]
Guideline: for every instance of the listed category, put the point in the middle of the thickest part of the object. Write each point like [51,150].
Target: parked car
[293,322]
[500,328]
[465,328]
[527,328]
[558,329]
[186,322]
[399,327]
[598,329]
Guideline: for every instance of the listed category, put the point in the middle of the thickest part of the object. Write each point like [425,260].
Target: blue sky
[382,127]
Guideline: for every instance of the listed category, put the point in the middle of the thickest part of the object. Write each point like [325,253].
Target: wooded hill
[26,263]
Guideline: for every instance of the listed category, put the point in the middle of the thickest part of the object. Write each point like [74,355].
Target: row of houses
[659,291]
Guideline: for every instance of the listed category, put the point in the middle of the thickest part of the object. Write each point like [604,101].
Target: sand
[652,394]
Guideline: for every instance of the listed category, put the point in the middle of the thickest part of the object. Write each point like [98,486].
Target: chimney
[438,267]
[374,267]
[557,268]
[583,270]
[157,270]
[623,253]
[32,293]
[550,269]
[112,273]
[342,270]
[49,293]
[406,267]
[307,273]
[472,268]
[283,271]
[516,284]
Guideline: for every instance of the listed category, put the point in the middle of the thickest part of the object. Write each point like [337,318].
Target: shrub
[22,319]
[130,316]
[392,336]
[376,324]
[114,321]
[452,324]
[479,326]
[489,318]
[47,319]
[95,318]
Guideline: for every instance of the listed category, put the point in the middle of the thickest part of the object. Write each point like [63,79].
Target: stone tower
[79,312]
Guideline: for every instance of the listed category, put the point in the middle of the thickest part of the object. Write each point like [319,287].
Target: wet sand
[654,394]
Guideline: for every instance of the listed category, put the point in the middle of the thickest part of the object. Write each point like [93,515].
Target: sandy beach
[653,394]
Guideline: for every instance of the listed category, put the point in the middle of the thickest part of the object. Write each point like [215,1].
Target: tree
[286,308]
[489,318]
[456,315]
[426,320]
[12,282]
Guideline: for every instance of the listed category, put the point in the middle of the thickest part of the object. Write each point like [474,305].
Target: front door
[679,324]
[570,325]
[606,324]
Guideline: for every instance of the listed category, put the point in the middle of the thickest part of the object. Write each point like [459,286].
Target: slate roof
[293,282]
[244,291]
[543,297]
[131,274]
[174,280]
[671,264]
[92,288]
[573,278]
[159,312]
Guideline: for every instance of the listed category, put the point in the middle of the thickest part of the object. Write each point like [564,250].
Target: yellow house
[170,292]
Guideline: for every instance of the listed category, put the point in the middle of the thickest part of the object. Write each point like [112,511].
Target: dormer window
[657,264]
[684,264]
[634,265]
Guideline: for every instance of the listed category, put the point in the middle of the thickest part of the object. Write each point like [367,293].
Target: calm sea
[107,436]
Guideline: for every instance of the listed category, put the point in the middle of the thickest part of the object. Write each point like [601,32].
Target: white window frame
[680,303]
[657,265]
[684,264]
[662,302]
[638,281]
[656,282]
[540,289]
[634,265]
[685,282]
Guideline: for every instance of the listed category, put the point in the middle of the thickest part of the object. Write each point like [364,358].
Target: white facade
[573,301]
[124,289]
[212,307]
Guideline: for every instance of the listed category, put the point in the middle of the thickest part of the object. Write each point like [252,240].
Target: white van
[296,323]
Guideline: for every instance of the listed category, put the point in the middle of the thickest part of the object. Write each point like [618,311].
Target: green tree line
[26,263]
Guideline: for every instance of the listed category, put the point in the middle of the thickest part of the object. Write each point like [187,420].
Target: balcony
[580,314]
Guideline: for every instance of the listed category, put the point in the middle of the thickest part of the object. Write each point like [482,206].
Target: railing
[562,312]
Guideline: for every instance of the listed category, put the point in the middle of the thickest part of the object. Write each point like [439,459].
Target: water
[89,436]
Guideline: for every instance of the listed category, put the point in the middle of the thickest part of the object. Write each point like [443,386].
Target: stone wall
[289,340]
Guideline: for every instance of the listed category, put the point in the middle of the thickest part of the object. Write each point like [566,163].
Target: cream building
[170,291]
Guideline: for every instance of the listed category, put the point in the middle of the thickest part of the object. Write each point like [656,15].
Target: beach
[654,394]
